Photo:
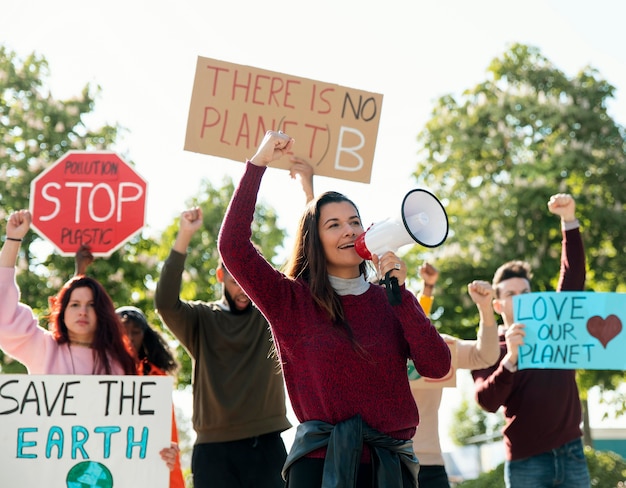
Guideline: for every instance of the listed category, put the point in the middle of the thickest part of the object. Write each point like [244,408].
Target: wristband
[574,224]
[13,239]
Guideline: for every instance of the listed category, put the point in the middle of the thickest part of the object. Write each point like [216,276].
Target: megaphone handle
[394,295]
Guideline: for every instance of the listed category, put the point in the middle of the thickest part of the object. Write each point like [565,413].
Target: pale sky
[143,55]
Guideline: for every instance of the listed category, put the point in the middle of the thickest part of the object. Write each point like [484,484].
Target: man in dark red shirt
[542,435]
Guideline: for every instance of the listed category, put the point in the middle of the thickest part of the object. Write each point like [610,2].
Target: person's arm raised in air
[485,350]
[82,260]
[303,171]
[236,249]
[573,266]
[429,275]
[11,311]
[17,226]
[190,222]
[177,315]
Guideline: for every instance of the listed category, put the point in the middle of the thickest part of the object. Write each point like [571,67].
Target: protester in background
[153,351]
[154,355]
[468,354]
[239,406]
[156,359]
[343,347]
[542,410]
[303,171]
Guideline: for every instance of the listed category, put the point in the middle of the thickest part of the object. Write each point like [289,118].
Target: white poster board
[74,431]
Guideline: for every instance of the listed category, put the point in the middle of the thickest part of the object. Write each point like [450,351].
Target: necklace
[82,344]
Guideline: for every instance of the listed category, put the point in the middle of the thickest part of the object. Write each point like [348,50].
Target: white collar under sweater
[349,286]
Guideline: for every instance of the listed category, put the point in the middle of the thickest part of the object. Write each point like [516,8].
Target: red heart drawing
[605,330]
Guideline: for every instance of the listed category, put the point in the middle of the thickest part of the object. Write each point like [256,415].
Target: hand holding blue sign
[514,337]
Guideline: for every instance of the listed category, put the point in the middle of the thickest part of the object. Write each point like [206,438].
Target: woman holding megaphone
[342,345]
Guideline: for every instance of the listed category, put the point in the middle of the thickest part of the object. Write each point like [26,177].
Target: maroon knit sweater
[326,378]
[541,406]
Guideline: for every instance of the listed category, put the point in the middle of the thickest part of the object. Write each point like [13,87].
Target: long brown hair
[308,261]
[110,341]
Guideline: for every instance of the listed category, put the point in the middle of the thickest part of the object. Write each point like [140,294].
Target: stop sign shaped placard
[92,198]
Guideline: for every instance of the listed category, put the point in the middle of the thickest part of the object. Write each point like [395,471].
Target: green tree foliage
[36,128]
[473,425]
[496,153]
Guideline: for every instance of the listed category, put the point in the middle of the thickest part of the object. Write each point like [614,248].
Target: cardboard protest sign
[232,106]
[76,431]
[572,330]
[448,381]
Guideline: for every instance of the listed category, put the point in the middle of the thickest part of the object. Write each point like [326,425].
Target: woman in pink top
[85,336]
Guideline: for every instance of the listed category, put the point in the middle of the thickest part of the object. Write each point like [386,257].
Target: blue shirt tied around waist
[344,445]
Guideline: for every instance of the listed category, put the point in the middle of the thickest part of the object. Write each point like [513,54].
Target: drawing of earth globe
[89,474]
